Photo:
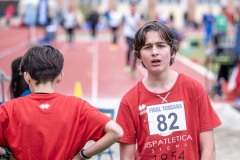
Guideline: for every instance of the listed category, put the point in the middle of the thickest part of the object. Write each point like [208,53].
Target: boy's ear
[27,77]
[59,77]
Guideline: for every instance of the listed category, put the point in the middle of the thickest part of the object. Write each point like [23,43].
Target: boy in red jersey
[167,115]
[46,125]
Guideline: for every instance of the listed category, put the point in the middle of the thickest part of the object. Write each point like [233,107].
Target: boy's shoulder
[188,79]
[189,82]
[132,92]
[10,104]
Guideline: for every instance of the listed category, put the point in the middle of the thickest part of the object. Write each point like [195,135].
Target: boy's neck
[48,87]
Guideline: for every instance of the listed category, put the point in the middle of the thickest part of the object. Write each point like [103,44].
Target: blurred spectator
[219,39]
[18,86]
[106,17]
[208,20]
[30,15]
[220,28]
[30,21]
[171,24]
[59,17]
[1,12]
[93,19]
[186,19]
[70,23]
[237,35]
[9,13]
[229,16]
[42,13]
[115,18]
[50,33]
[162,17]
[231,89]
[131,21]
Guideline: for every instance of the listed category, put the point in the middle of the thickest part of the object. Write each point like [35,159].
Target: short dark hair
[43,63]
[165,32]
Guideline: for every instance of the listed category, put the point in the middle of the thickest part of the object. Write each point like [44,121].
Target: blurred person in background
[49,32]
[220,27]
[131,21]
[114,21]
[1,12]
[70,23]
[30,17]
[231,89]
[9,11]
[93,20]
[186,19]
[171,23]
[237,34]
[208,21]
[42,13]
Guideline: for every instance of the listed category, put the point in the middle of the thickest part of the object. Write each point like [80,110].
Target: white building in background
[165,7]
[175,7]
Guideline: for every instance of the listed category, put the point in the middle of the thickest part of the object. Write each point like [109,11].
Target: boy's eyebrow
[162,42]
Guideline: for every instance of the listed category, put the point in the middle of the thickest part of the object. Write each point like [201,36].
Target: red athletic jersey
[49,126]
[167,125]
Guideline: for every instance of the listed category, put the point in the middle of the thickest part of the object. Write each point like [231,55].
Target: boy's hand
[6,154]
[2,151]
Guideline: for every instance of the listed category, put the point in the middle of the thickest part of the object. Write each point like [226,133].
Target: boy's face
[156,53]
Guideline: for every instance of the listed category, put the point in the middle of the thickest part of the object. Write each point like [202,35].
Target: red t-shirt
[167,125]
[49,126]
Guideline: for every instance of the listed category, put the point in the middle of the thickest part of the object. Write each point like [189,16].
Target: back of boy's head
[42,63]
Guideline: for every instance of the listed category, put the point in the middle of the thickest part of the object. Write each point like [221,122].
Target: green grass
[197,53]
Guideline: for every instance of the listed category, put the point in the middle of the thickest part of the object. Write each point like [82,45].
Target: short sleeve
[93,122]
[207,114]
[125,120]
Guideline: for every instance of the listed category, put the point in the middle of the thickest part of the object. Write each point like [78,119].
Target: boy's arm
[207,145]
[127,151]
[113,133]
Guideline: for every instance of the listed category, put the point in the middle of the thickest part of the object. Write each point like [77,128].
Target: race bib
[166,118]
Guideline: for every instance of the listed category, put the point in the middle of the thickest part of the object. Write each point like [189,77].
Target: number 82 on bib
[165,118]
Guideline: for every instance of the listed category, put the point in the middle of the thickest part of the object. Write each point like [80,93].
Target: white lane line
[14,49]
[196,67]
[95,63]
